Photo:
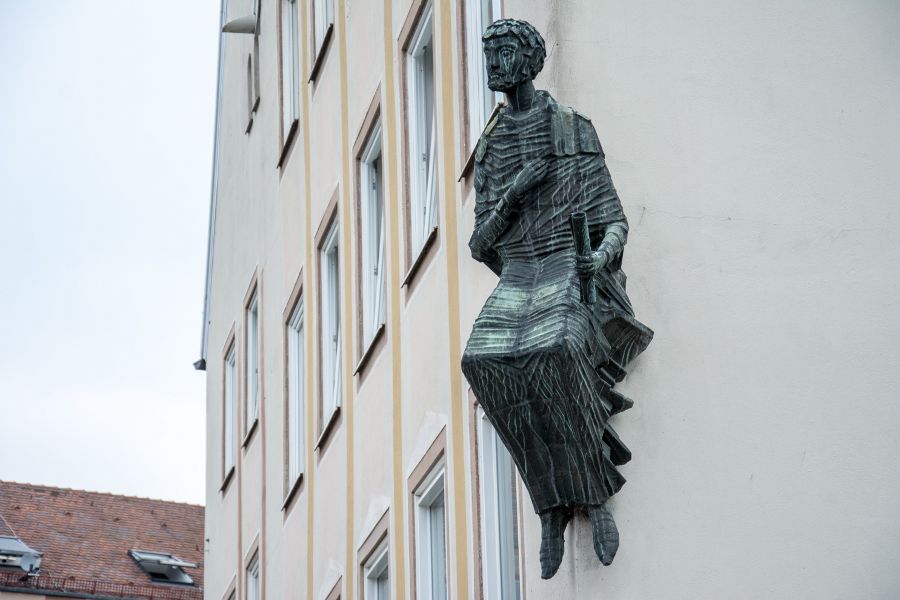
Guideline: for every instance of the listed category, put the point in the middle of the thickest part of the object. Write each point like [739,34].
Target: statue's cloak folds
[540,361]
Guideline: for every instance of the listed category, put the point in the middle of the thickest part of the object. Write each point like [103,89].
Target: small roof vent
[14,553]
[163,567]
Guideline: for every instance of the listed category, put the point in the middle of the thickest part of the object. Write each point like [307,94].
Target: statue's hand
[530,175]
[589,264]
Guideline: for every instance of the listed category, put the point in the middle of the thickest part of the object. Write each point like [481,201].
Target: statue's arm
[489,226]
[614,238]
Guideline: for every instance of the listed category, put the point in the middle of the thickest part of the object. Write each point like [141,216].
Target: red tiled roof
[5,529]
[87,535]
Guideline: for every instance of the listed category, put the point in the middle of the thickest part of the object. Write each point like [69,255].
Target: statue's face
[507,64]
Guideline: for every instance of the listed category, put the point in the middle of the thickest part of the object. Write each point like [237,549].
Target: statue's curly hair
[527,34]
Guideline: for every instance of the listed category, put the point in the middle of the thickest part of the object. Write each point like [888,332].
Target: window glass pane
[372,242]
[430,538]
[252,409]
[253,580]
[481,100]
[499,515]
[290,64]
[296,393]
[323,18]
[438,550]
[229,413]
[420,95]
[329,264]
[382,591]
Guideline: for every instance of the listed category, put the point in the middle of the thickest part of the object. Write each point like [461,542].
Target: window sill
[319,60]
[288,143]
[420,259]
[226,481]
[370,350]
[292,494]
[330,426]
[249,435]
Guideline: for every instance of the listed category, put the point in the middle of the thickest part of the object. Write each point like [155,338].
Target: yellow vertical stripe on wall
[457,425]
[340,29]
[309,302]
[389,112]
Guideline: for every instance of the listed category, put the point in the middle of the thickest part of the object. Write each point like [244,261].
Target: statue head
[514,53]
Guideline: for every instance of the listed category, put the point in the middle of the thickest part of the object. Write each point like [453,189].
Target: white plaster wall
[755,149]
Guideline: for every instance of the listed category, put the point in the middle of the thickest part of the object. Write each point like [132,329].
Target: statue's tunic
[540,361]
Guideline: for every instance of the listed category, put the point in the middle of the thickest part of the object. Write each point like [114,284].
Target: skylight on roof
[163,567]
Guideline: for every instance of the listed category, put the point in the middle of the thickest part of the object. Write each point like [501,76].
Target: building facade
[63,543]
[753,147]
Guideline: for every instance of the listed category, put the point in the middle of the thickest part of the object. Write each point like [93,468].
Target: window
[421,133]
[296,383]
[377,584]
[430,537]
[163,567]
[371,207]
[253,578]
[252,403]
[481,100]
[290,66]
[330,326]
[229,444]
[323,17]
[499,515]
[253,70]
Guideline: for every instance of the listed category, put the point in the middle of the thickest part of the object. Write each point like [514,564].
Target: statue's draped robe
[540,361]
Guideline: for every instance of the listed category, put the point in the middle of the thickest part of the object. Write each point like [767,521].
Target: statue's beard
[505,82]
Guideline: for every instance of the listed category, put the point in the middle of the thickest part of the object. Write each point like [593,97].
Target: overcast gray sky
[106,121]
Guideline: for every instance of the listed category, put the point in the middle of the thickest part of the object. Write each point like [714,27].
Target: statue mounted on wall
[555,335]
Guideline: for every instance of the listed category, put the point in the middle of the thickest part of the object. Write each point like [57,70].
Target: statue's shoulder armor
[571,132]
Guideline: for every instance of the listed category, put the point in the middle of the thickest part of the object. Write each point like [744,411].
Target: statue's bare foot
[605,533]
[553,543]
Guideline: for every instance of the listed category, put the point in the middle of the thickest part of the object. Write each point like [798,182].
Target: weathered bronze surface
[555,335]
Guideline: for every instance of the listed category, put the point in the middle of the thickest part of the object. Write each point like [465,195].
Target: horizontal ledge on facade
[320,57]
[420,258]
[370,350]
[288,143]
[249,435]
[226,480]
[330,425]
[293,493]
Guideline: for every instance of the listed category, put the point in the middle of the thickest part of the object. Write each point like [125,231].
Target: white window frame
[376,583]
[422,132]
[323,17]
[230,404]
[296,378]
[290,65]
[330,326]
[251,406]
[499,515]
[431,536]
[372,242]
[253,578]
[480,99]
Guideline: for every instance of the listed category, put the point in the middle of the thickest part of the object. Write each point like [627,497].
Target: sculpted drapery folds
[541,361]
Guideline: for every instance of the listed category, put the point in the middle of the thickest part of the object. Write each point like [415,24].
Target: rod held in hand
[583,248]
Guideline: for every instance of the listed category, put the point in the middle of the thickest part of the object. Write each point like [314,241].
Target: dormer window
[163,567]
[14,553]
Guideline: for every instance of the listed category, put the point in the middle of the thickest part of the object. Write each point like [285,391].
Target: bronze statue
[547,349]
